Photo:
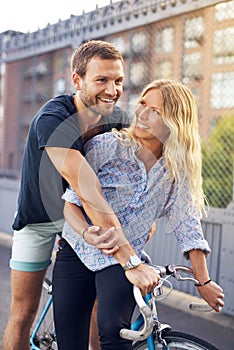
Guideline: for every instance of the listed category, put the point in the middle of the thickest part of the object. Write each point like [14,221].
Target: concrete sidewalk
[176,299]
[181,301]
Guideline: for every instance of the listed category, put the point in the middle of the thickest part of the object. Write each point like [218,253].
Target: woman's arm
[211,292]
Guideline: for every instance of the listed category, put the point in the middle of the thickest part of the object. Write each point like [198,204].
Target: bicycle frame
[33,346]
[146,327]
[139,322]
[136,325]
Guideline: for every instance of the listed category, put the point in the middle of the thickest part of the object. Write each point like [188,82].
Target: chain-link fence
[195,47]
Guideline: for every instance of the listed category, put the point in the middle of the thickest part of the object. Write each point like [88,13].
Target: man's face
[102,85]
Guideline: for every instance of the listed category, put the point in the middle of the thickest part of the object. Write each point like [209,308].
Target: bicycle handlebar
[169,270]
[148,320]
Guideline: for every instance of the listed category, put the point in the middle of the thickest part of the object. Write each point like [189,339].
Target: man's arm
[78,173]
[93,234]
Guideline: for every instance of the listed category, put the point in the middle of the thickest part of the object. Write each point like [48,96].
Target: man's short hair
[90,49]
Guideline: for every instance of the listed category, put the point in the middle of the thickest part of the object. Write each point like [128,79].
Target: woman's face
[149,122]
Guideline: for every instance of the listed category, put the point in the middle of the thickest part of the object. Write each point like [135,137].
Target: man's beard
[92,105]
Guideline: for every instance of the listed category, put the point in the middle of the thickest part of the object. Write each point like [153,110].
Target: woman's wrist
[83,233]
[199,284]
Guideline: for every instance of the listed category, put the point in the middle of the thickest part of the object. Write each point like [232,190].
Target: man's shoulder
[61,102]
[119,115]
[59,107]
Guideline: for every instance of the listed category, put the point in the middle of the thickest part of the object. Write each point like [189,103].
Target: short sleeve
[55,131]
[57,124]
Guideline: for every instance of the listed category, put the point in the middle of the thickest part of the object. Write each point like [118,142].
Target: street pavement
[215,328]
[5,295]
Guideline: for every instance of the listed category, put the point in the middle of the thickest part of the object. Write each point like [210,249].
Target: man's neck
[87,119]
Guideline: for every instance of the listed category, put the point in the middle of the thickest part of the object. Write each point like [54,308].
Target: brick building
[187,40]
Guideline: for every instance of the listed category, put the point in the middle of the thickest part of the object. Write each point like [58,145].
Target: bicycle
[147,333]
[155,335]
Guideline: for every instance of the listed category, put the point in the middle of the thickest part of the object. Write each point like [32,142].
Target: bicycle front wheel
[177,341]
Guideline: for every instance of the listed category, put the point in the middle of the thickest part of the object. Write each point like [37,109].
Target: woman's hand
[103,239]
[144,277]
[213,294]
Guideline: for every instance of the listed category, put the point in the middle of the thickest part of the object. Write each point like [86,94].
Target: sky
[29,15]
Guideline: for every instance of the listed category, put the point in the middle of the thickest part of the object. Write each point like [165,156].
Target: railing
[218,229]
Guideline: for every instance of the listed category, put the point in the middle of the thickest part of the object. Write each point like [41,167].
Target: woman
[150,170]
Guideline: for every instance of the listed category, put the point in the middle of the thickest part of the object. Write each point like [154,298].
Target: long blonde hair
[182,149]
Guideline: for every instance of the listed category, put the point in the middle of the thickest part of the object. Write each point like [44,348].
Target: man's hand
[213,294]
[104,239]
[144,277]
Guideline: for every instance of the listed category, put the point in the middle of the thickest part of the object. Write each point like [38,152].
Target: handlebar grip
[200,307]
[147,316]
[143,333]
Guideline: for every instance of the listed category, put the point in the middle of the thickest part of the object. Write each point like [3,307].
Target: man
[52,153]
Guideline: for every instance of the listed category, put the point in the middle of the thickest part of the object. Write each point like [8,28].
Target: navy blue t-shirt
[56,124]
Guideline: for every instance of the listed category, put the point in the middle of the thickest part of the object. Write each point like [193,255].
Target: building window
[138,73]
[224,46]
[192,67]
[196,95]
[60,62]
[224,11]
[221,90]
[120,43]
[59,86]
[139,42]
[163,69]
[193,32]
[164,40]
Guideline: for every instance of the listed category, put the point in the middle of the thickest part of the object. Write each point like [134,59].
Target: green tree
[218,163]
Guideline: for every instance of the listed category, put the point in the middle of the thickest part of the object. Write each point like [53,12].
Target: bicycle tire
[44,338]
[177,341]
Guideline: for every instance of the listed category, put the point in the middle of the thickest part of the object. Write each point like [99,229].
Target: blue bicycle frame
[46,309]
[138,323]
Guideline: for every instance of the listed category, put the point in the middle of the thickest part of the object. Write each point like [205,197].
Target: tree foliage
[218,163]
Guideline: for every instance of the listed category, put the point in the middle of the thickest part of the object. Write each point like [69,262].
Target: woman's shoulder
[102,141]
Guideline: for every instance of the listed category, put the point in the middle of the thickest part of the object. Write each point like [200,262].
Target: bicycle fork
[158,327]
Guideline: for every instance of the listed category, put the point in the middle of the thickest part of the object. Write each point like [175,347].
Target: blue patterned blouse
[138,198]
